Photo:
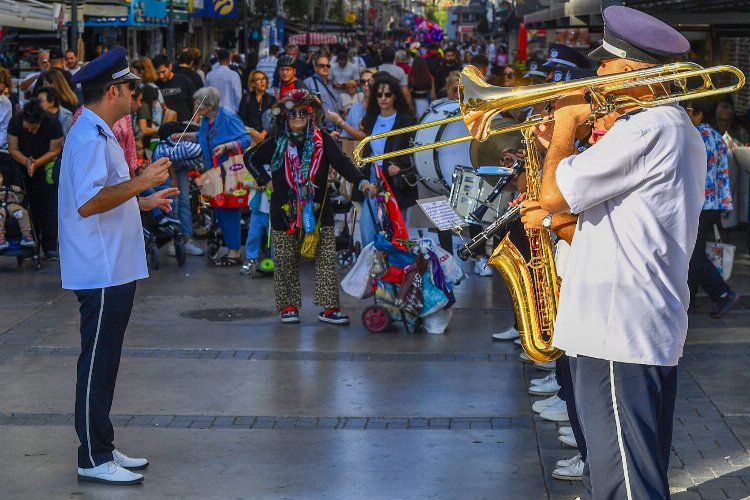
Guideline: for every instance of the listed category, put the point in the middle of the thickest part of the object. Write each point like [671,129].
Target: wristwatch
[547,221]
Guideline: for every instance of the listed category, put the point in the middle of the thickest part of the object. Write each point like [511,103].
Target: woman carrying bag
[220,135]
[300,157]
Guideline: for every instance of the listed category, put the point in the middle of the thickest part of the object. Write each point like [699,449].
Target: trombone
[480,102]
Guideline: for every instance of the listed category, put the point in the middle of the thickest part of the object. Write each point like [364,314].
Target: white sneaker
[557,412]
[517,341]
[170,249]
[192,249]
[549,388]
[567,461]
[549,366]
[509,334]
[571,472]
[543,404]
[129,463]
[568,440]
[565,431]
[109,473]
[525,357]
[545,379]
[481,268]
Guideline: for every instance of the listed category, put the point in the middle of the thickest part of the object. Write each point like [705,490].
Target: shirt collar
[97,120]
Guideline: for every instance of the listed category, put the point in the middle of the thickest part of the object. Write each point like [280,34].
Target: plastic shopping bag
[357,281]
[437,322]
[451,270]
[433,298]
[721,255]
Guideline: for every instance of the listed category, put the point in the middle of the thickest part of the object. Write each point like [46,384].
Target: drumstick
[186,126]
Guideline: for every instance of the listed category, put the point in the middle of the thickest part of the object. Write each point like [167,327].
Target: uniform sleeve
[611,167]
[88,170]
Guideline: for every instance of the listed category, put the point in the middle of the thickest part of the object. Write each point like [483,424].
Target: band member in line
[622,314]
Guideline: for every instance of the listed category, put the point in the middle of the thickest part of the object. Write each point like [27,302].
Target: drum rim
[435,151]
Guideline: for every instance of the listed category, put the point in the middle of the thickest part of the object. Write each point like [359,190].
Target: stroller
[156,235]
[13,231]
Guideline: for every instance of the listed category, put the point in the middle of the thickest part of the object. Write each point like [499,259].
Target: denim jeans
[258,224]
[181,203]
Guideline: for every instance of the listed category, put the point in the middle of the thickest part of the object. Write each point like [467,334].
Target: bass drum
[436,166]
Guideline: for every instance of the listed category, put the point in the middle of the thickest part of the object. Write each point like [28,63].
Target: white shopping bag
[357,281]
[721,255]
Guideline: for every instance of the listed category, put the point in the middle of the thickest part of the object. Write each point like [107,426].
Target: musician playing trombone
[622,312]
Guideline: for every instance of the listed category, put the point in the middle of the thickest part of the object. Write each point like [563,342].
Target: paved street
[228,403]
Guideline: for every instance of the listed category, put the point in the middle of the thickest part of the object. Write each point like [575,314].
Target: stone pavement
[228,403]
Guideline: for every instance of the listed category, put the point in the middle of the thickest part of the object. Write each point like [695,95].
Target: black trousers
[702,273]
[567,394]
[626,413]
[43,205]
[105,313]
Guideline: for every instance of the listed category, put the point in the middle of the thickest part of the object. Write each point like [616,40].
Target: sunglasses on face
[297,113]
[509,75]
[129,84]
[324,65]
[385,95]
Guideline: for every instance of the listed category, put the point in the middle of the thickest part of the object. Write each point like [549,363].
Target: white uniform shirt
[638,193]
[105,249]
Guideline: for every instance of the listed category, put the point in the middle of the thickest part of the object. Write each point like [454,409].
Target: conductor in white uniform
[102,254]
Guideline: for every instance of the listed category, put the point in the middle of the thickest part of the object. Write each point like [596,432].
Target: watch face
[547,221]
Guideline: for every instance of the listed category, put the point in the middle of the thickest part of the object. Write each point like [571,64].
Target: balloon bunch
[424,31]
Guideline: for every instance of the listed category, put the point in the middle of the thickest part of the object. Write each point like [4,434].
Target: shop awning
[314,38]
[31,14]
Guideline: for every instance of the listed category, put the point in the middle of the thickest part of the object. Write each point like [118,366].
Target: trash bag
[437,322]
[357,281]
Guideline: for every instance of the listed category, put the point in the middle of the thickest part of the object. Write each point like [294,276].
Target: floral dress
[718,191]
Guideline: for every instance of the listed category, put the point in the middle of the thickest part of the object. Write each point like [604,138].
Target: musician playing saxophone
[622,315]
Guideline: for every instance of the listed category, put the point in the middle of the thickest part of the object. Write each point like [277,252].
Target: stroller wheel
[179,251]
[202,225]
[376,319]
[153,255]
[345,258]
[37,262]
[212,251]
[267,265]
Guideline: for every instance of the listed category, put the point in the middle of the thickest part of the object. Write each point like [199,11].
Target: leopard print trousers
[286,251]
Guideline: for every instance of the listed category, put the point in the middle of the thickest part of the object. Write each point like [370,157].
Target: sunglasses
[323,65]
[297,113]
[365,82]
[509,75]
[386,95]
[129,83]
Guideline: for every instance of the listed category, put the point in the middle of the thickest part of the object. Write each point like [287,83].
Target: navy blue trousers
[567,394]
[626,413]
[104,317]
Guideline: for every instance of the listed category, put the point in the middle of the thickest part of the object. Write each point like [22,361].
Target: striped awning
[314,38]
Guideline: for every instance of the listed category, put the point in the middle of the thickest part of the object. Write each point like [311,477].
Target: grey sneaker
[248,267]
[192,249]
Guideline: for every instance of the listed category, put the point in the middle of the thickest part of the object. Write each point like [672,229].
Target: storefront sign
[224,9]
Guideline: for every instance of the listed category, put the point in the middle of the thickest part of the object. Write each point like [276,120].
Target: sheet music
[441,213]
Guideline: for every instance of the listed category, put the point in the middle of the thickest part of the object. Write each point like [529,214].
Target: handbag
[233,171]
[721,255]
[310,241]
[210,184]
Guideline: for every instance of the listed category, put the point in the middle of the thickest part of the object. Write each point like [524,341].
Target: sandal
[226,261]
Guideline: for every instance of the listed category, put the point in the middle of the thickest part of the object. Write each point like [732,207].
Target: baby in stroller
[11,199]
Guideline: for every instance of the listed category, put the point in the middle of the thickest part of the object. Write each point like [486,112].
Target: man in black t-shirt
[34,141]
[177,90]
[185,68]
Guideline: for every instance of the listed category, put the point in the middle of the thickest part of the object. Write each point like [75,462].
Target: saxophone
[533,285]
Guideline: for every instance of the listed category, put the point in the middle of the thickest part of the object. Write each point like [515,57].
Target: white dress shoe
[517,341]
[509,334]
[571,472]
[544,380]
[525,357]
[548,388]
[109,473]
[569,440]
[543,404]
[557,412]
[567,461]
[481,268]
[565,431]
[129,463]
